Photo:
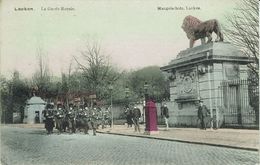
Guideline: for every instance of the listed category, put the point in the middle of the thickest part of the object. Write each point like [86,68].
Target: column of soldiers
[75,118]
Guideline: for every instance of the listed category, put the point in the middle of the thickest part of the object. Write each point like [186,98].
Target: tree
[20,92]
[96,69]
[158,85]
[41,78]
[5,95]
[243,31]
[14,94]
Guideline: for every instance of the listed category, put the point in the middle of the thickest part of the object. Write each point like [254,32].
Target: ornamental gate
[237,98]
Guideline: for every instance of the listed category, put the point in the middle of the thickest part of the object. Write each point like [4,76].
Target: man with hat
[135,117]
[202,114]
[165,115]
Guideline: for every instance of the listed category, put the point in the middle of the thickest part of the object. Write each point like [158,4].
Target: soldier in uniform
[106,118]
[83,119]
[99,116]
[94,119]
[71,115]
[48,113]
[59,118]
[65,122]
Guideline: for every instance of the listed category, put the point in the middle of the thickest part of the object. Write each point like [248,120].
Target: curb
[182,141]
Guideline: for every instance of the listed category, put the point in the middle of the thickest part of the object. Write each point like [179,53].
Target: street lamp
[145,97]
[126,95]
[111,104]
[146,91]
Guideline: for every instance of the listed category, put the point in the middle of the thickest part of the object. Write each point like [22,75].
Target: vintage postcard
[129,82]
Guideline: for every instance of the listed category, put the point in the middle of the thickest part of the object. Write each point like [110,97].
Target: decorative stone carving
[172,76]
[187,85]
[202,69]
[231,71]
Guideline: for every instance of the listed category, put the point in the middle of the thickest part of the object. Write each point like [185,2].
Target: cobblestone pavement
[33,146]
[236,138]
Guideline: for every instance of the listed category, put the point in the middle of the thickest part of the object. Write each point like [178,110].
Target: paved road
[32,146]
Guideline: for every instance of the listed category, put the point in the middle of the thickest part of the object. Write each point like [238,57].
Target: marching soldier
[59,119]
[94,119]
[106,118]
[49,115]
[82,119]
[71,115]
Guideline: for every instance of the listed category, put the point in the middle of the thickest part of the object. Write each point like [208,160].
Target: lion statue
[196,29]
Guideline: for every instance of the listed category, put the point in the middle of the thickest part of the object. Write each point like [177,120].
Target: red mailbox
[151,118]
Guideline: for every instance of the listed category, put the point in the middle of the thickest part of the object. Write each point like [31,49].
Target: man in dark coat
[71,116]
[94,120]
[135,118]
[82,119]
[59,119]
[202,114]
[128,114]
[106,118]
[48,115]
[165,115]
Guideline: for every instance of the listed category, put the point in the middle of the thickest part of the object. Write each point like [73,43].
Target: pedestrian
[202,114]
[37,118]
[135,118]
[165,115]
[129,121]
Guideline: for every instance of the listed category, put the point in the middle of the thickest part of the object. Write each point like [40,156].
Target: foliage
[158,85]
[14,94]
[5,86]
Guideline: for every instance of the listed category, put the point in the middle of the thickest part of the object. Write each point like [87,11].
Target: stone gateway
[197,73]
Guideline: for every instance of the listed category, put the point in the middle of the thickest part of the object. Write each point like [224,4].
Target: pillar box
[151,118]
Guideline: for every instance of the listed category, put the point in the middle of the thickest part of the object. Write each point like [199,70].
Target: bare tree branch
[243,31]
[97,70]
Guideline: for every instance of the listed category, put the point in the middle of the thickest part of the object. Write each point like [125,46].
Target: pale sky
[134,33]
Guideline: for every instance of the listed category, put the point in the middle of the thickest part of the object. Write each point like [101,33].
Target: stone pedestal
[151,118]
[197,73]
